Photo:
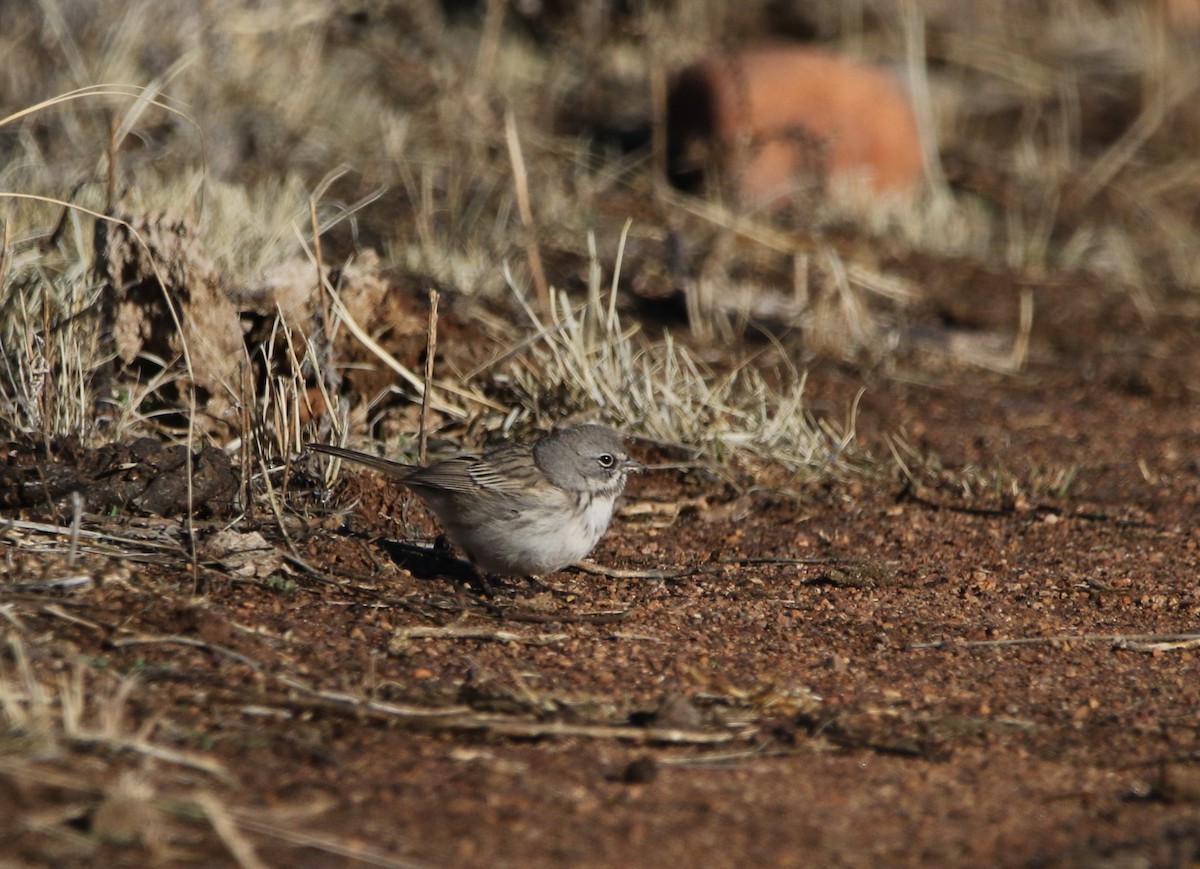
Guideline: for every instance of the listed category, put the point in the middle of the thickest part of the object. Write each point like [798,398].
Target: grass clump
[584,359]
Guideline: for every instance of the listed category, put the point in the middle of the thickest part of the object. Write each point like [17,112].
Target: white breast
[537,542]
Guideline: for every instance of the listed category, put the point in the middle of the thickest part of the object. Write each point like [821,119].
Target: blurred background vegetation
[503,152]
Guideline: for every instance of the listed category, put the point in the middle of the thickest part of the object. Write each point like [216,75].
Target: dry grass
[456,150]
[72,732]
[104,784]
[583,361]
[81,707]
[478,158]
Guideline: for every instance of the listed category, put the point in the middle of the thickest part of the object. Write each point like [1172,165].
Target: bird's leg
[476,586]
[536,584]
[487,584]
[544,588]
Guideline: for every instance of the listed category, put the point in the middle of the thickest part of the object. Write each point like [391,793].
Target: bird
[520,509]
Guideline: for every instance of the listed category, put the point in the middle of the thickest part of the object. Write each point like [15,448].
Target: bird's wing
[505,469]
[452,475]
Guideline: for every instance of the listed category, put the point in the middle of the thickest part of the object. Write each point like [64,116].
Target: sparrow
[520,509]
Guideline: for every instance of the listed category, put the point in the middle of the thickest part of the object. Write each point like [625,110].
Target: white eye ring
[607,460]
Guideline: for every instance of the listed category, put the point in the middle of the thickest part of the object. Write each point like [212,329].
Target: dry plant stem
[658,128]
[76,515]
[489,41]
[722,759]
[915,57]
[47,398]
[62,583]
[612,322]
[595,569]
[110,190]
[111,90]
[1020,350]
[42,776]
[518,729]
[227,831]
[1176,645]
[319,347]
[353,851]
[318,260]
[67,531]
[911,493]
[276,505]
[430,352]
[521,182]
[454,718]
[249,446]
[59,613]
[292,391]
[800,289]
[5,243]
[1133,642]
[462,632]
[592,567]
[1123,151]
[771,559]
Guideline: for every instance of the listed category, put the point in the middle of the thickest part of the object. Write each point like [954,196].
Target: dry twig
[1131,642]
[402,636]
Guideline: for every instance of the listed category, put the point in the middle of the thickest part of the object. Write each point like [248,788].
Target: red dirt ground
[988,661]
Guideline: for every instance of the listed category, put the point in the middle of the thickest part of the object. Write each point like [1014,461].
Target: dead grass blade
[586,362]
[226,828]
[60,717]
[1131,642]
[354,851]
[402,636]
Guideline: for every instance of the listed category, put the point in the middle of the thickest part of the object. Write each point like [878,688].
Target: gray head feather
[584,458]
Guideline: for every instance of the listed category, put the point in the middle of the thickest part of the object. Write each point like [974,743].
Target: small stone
[640,771]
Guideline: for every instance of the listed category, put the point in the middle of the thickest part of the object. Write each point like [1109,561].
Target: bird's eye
[607,460]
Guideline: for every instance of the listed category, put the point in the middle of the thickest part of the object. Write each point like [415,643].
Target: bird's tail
[386,466]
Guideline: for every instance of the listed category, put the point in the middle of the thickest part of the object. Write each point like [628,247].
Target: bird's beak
[632,466]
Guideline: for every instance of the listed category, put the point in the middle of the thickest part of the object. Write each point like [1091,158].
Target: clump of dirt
[143,475]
